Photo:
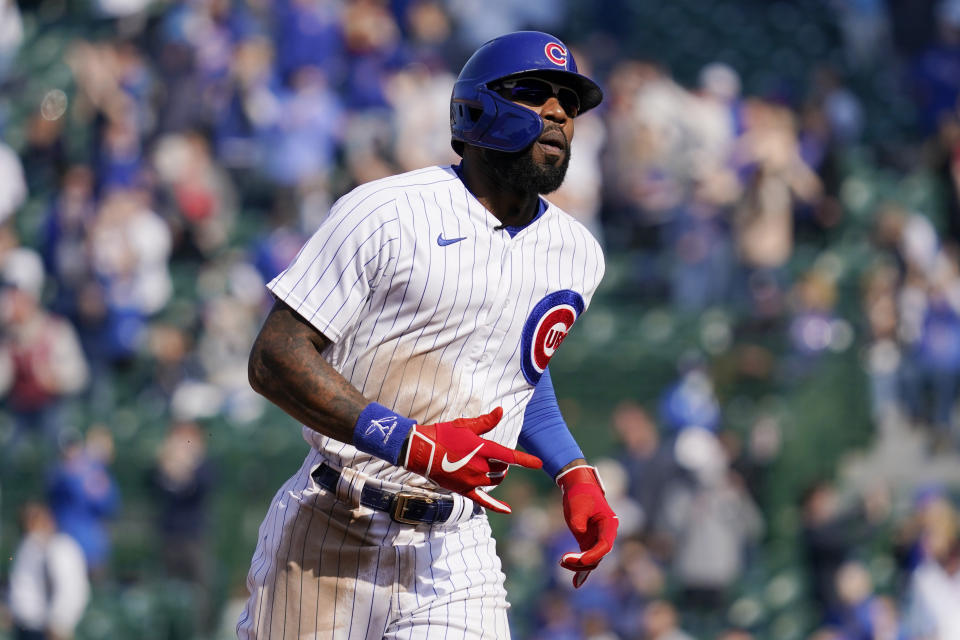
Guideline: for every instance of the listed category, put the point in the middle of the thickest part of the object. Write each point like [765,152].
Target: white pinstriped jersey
[432,311]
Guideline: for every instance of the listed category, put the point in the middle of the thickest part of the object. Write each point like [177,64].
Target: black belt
[407,507]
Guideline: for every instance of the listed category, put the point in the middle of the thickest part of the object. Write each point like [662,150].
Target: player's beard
[520,173]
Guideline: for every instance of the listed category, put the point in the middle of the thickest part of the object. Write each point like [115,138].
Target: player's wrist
[571,463]
[382,432]
[579,473]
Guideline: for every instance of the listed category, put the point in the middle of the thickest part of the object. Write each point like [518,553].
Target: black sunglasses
[536,91]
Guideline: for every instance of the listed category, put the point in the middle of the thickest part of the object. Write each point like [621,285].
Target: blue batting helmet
[481,117]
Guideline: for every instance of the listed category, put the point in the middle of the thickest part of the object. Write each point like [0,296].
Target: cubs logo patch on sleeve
[545,328]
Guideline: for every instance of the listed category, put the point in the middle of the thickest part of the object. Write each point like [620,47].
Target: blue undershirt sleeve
[544,432]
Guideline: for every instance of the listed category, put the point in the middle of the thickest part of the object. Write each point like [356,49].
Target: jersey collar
[512,230]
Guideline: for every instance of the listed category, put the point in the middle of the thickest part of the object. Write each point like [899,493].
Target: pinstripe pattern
[434,332]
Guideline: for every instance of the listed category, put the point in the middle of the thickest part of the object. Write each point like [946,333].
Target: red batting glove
[453,455]
[589,517]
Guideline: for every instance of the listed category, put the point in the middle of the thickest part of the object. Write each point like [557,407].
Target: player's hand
[453,455]
[590,519]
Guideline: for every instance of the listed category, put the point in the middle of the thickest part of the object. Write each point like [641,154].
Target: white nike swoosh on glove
[451,466]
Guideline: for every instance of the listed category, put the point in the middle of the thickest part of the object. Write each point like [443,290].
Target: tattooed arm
[286,367]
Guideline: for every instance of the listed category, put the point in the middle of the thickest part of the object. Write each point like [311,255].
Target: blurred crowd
[194,145]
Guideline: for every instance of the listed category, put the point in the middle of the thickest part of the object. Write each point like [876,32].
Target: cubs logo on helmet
[556,53]
[546,327]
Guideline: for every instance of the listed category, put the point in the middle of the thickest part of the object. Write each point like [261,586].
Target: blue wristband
[381,432]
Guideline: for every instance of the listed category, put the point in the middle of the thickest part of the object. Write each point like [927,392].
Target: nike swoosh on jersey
[450,466]
[446,241]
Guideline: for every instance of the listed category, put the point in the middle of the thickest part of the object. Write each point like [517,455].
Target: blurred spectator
[276,246]
[691,401]
[935,72]
[119,150]
[198,40]
[14,190]
[885,618]
[198,193]
[64,240]
[83,495]
[777,180]
[181,482]
[479,21]
[865,28]
[640,191]
[596,626]
[857,601]
[648,462]
[41,361]
[908,236]
[714,522]
[827,633]
[883,353]
[699,241]
[368,138]
[372,47]
[49,589]
[934,592]
[418,97]
[303,137]
[753,461]
[301,142]
[927,529]
[234,294]
[716,116]
[912,24]
[947,167]
[639,578]
[309,34]
[700,234]
[113,103]
[428,31]
[121,8]
[556,619]
[11,35]
[130,246]
[45,152]
[249,105]
[170,346]
[926,291]
[660,622]
[832,530]
[814,326]
[841,108]
[934,357]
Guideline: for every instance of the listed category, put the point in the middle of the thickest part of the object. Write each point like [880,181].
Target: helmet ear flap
[470,119]
[493,122]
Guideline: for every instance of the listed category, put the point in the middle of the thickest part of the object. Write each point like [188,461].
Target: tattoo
[287,367]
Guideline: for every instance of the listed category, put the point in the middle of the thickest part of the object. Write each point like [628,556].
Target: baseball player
[411,337]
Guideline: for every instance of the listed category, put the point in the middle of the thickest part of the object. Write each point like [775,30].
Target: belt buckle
[400,506]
